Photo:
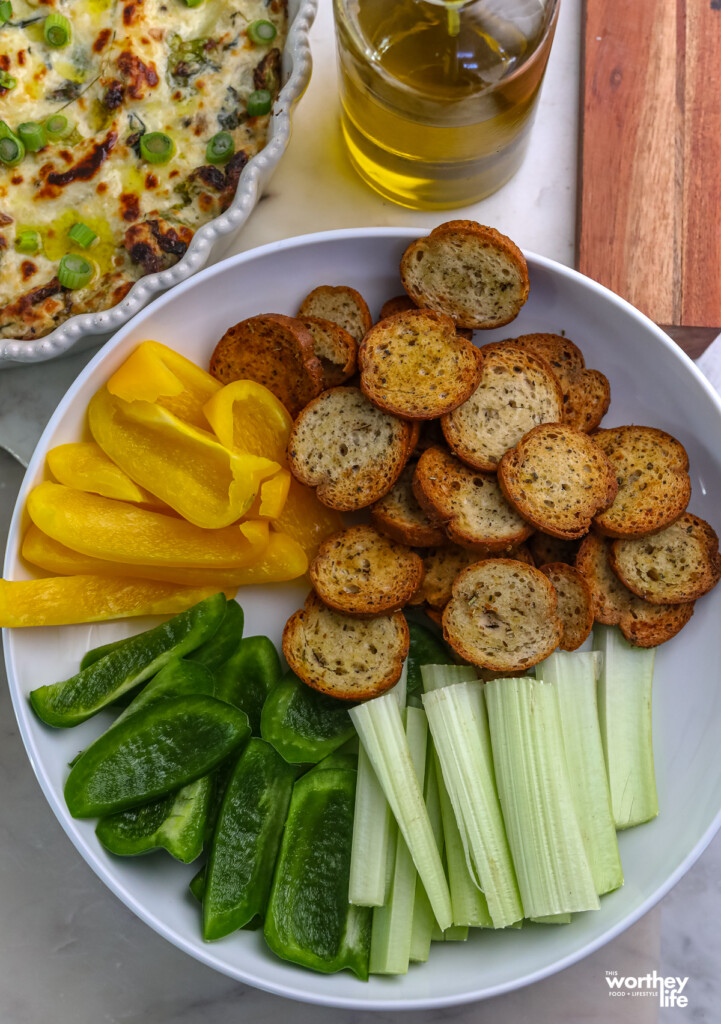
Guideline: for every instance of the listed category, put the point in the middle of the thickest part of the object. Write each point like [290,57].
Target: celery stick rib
[380,728]
[573,677]
[392,931]
[459,726]
[624,711]
[553,872]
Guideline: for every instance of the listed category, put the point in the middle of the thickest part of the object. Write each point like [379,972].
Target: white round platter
[652,382]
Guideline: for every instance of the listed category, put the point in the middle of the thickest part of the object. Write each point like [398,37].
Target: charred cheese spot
[129,206]
[84,170]
[102,40]
[137,74]
[28,269]
[130,12]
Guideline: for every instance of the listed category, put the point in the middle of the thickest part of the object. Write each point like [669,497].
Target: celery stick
[552,919]
[553,872]
[373,850]
[380,728]
[436,933]
[624,713]
[435,676]
[372,833]
[459,726]
[393,923]
[423,919]
[468,902]
[574,678]
[456,933]
[401,688]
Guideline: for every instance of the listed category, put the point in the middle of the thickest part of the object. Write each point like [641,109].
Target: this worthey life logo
[670,991]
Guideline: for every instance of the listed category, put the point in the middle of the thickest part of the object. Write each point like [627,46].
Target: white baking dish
[210,240]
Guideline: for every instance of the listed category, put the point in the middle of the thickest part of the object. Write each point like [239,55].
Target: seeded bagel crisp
[517,391]
[340,304]
[502,615]
[469,503]
[274,350]
[351,451]
[471,272]
[677,564]
[335,349]
[654,487]
[575,603]
[399,515]
[351,659]
[361,572]
[414,364]
[557,479]
[643,624]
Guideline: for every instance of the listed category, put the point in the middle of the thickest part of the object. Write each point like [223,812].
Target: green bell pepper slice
[246,841]
[309,920]
[249,675]
[157,750]
[230,618]
[338,759]
[425,648]
[175,823]
[302,724]
[76,699]
[222,645]
[197,884]
[179,678]
[179,821]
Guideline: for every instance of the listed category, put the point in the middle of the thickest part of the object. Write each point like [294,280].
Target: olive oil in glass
[438,96]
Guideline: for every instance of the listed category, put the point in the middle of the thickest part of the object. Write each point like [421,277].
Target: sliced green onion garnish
[259,102]
[75,271]
[193,3]
[12,149]
[220,148]
[57,30]
[82,235]
[156,147]
[7,81]
[33,135]
[6,11]
[57,127]
[262,32]
[27,241]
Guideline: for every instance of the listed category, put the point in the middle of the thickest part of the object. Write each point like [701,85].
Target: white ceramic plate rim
[253,178]
[206,955]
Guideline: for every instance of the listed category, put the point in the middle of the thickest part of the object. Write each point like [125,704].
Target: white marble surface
[70,953]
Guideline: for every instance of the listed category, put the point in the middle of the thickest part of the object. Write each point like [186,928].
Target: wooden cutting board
[649,224]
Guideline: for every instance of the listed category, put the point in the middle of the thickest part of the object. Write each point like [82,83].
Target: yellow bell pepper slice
[249,418]
[271,497]
[155,373]
[119,532]
[307,520]
[283,559]
[185,467]
[85,465]
[62,600]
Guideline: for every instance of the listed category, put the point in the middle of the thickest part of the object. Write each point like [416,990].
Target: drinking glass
[438,96]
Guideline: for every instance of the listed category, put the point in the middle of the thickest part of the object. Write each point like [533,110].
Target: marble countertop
[70,952]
